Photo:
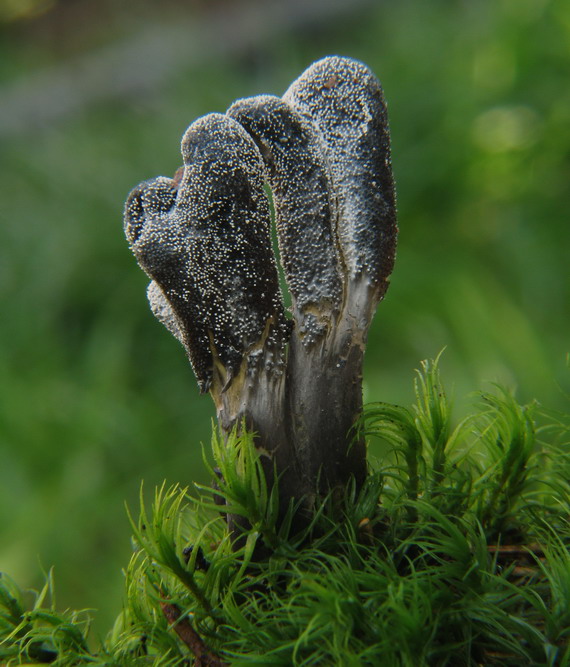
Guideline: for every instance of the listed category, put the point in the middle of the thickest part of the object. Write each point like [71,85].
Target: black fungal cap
[345,101]
[304,205]
[207,246]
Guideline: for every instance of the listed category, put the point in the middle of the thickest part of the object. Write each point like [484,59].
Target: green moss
[455,552]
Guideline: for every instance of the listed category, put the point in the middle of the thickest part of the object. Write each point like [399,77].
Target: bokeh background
[94,96]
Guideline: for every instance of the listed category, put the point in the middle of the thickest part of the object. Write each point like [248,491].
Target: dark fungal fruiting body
[345,101]
[204,239]
[223,205]
[207,246]
[305,210]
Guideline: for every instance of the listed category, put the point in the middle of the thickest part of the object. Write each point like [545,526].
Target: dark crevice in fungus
[204,239]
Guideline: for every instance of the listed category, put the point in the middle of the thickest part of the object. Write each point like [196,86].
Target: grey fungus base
[204,239]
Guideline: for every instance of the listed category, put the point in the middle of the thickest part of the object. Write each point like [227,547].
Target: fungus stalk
[204,239]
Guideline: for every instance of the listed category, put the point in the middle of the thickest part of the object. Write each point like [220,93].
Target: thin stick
[183,628]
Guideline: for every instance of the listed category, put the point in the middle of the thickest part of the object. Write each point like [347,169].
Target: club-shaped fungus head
[305,209]
[345,101]
[205,241]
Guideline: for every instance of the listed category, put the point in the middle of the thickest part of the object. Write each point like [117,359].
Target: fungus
[207,246]
[204,238]
[345,101]
[305,209]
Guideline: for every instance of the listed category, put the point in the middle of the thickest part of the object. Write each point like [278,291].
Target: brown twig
[516,549]
[203,656]
[522,558]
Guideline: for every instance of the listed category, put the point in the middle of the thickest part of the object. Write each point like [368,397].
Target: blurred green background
[94,97]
